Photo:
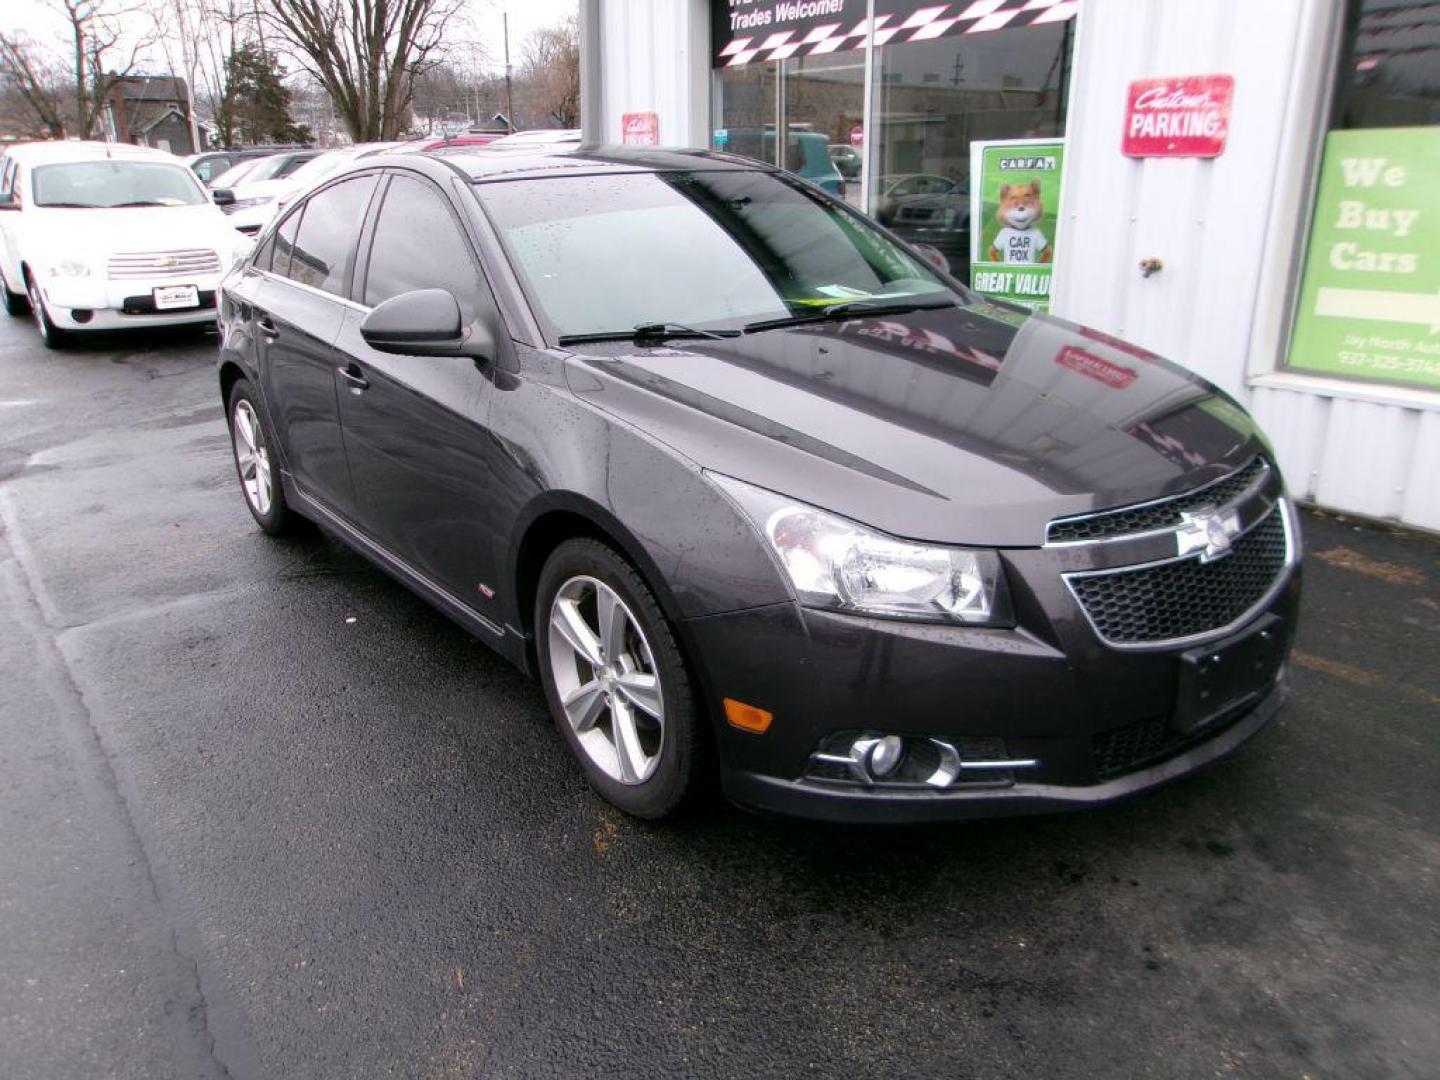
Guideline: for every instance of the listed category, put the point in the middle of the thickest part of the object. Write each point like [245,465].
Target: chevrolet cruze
[755,491]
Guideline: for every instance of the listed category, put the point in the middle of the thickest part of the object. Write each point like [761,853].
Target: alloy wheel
[253,458]
[606,679]
[37,308]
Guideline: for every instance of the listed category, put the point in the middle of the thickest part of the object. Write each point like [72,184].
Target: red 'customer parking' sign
[1182,117]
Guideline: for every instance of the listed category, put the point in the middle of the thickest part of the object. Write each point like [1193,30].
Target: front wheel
[50,335]
[616,681]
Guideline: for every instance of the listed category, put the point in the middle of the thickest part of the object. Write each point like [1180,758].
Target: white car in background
[538,137]
[98,236]
[316,169]
[248,196]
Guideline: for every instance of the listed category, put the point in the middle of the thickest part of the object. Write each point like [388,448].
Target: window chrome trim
[311,289]
[1284,507]
[1259,482]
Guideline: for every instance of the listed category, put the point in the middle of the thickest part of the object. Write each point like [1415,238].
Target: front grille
[1187,597]
[143,264]
[1163,514]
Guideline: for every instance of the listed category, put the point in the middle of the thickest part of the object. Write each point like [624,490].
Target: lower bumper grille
[1187,598]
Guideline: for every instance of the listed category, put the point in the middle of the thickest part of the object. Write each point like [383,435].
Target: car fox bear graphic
[1020,239]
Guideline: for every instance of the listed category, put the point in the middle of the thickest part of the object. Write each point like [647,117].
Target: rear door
[299,311]
[416,427]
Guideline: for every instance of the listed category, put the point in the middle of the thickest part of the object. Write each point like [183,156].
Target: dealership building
[1249,189]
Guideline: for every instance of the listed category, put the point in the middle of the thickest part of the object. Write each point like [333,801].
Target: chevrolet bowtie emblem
[169,262]
[1208,531]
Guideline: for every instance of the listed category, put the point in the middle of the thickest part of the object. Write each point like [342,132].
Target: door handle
[268,328]
[351,374]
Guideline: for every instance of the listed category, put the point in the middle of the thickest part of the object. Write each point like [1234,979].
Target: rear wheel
[255,461]
[50,334]
[616,680]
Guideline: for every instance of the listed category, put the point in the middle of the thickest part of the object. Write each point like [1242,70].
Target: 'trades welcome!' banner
[1014,205]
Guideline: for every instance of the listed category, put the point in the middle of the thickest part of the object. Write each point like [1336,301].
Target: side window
[284,249]
[418,244]
[325,247]
[6,172]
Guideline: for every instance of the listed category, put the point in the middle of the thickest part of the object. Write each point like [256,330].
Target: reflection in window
[325,249]
[418,245]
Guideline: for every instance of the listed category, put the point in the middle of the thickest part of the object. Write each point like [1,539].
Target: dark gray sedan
[753,488]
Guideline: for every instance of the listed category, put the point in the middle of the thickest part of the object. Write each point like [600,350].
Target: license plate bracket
[176,297]
[1228,674]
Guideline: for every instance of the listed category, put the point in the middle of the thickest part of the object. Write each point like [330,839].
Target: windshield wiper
[656,331]
[69,206]
[138,202]
[844,308]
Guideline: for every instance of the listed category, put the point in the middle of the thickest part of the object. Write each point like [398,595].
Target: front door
[416,427]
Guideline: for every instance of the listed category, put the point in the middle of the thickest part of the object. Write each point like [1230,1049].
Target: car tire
[17,305]
[51,336]
[252,448]
[644,762]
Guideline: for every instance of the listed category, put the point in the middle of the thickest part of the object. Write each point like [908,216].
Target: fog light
[885,756]
[82,315]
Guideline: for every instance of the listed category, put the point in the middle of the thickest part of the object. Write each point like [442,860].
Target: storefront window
[1369,303]
[945,75]
[936,97]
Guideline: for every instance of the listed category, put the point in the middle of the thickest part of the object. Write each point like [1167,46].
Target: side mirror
[7,201]
[426,322]
[223,196]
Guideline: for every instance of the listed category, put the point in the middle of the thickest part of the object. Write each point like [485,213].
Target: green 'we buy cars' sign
[1014,204]
[1370,301]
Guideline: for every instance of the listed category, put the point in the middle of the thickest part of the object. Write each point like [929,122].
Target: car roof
[63,150]
[515,162]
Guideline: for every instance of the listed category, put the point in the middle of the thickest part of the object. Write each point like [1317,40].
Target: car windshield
[323,165]
[267,168]
[106,184]
[718,250]
[239,171]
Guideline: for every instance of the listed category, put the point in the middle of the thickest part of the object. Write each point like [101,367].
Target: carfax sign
[1014,202]
[1370,300]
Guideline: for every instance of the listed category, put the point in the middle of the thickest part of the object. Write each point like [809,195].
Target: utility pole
[509,100]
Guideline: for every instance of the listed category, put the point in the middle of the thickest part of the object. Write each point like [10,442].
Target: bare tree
[366,54]
[31,86]
[96,46]
[550,74]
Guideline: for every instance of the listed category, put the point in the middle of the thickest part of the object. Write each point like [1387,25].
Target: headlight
[245,204]
[71,268]
[838,564]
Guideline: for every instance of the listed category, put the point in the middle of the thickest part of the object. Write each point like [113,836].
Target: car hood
[969,425]
[261,189]
[137,228]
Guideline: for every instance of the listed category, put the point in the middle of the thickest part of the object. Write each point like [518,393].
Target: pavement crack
[102,787]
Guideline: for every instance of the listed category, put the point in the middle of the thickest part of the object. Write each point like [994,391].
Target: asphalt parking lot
[264,814]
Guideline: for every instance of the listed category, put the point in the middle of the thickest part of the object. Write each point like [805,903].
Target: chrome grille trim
[186,262]
[1261,479]
[1288,523]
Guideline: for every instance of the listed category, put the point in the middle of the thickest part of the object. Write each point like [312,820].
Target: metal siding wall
[1208,220]
[654,60]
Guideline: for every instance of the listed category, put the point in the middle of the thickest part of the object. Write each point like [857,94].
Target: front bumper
[1099,723]
[81,304]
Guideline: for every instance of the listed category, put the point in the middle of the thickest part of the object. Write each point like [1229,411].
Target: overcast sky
[42,22]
